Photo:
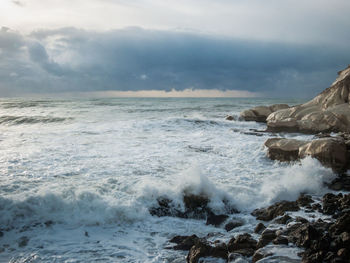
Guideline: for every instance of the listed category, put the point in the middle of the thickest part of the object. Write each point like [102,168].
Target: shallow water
[91,168]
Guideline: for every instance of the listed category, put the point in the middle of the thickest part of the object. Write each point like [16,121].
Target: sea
[78,176]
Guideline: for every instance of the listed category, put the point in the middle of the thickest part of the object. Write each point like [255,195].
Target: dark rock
[233,224]
[304,200]
[341,225]
[230,118]
[317,207]
[304,235]
[280,240]
[1,234]
[203,249]
[343,253]
[259,228]
[260,254]
[301,220]
[184,242]
[216,220]
[165,207]
[23,241]
[342,182]
[330,203]
[48,223]
[266,237]
[275,210]
[283,220]
[243,244]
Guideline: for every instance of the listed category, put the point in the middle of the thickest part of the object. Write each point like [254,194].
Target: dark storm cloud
[69,59]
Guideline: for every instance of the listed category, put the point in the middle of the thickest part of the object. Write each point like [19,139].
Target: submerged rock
[260,113]
[327,112]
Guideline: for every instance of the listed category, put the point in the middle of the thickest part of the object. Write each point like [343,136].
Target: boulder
[203,249]
[260,113]
[259,228]
[216,220]
[266,237]
[233,224]
[327,112]
[184,242]
[275,210]
[331,152]
[242,244]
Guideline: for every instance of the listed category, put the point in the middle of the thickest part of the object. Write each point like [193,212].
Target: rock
[236,258]
[196,205]
[166,207]
[1,234]
[342,182]
[327,112]
[342,224]
[301,220]
[283,149]
[23,241]
[331,152]
[202,249]
[243,244]
[266,237]
[184,242]
[230,118]
[330,203]
[233,224]
[259,228]
[280,240]
[304,235]
[260,113]
[275,210]
[304,200]
[283,220]
[216,220]
[343,253]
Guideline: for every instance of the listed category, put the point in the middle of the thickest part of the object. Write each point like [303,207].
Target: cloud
[134,59]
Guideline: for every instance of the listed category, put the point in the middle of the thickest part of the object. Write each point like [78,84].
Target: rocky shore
[321,236]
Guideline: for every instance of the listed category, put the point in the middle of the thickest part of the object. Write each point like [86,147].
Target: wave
[28,104]
[18,120]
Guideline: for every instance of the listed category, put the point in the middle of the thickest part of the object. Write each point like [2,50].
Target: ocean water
[78,176]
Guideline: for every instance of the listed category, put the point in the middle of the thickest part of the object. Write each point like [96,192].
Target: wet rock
[330,203]
[166,207]
[327,112]
[342,182]
[243,244]
[301,220]
[304,235]
[342,224]
[23,241]
[280,240]
[260,254]
[202,249]
[1,234]
[304,200]
[233,224]
[48,223]
[275,210]
[184,242]
[215,220]
[260,113]
[283,219]
[259,228]
[230,118]
[266,237]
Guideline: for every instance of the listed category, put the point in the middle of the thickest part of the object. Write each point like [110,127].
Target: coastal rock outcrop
[327,112]
[331,152]
[260,113]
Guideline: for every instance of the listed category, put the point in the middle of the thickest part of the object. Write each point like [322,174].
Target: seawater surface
[78,176]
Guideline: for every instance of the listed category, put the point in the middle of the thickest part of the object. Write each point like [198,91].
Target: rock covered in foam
[329,111]
[331,152]
[260,113]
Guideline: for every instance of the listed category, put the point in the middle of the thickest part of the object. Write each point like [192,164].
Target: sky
[234,48]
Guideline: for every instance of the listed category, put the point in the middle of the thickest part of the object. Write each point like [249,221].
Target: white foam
[308,176]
